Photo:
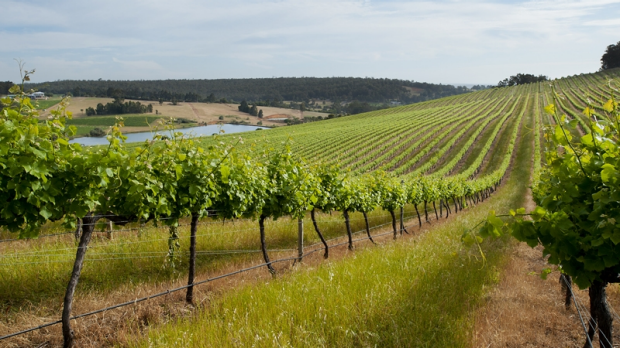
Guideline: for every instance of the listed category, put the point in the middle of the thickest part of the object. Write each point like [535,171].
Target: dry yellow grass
[524,310]
[199,112]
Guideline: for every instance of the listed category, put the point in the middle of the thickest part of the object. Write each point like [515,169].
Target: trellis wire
[182,287]
[164,226]
[583,324]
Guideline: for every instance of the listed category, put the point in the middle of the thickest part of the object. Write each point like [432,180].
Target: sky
[450,42]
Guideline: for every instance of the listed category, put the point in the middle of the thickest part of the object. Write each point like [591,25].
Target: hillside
[301,89]
[446,136]
[448,162]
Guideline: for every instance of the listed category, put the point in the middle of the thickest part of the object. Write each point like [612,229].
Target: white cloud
[138,64]
[446,41]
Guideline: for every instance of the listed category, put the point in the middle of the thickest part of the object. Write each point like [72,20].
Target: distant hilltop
[297,89]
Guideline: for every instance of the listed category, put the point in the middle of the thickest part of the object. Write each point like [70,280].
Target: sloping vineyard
[416,162]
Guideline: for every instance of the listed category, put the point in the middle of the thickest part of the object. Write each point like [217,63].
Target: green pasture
[131,120]
[41,104]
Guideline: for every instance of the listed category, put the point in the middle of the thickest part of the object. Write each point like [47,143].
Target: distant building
[37,95]
[394,103]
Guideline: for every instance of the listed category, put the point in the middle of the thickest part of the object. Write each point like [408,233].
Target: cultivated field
[452,160]
[198,112]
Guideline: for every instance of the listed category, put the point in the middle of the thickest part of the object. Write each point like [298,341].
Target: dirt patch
[525,310]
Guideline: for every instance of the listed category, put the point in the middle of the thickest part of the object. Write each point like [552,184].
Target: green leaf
[225,172]
[609,173]
[179,171]
[587,140]
[45,213]
[550,109]
[545,272]
[538,213]
[560,138]
[609,106]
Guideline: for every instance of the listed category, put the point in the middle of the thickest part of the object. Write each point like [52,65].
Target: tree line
[304,89]
[521,79]
[118,107]
[5,86]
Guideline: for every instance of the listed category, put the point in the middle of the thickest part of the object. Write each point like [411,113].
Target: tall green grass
[36,271]
[421,292]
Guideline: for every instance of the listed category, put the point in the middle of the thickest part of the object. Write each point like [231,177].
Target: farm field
[456,158]
[195,112]
[43,104]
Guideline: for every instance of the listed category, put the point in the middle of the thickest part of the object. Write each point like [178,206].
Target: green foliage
[291,188]
[369,90]
[521,79]
[5,87]
[117,107]
[97,132]
[42,176]
[611,57]
[577,195]
[244,107]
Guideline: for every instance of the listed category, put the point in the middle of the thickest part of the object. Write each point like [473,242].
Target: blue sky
[430,41]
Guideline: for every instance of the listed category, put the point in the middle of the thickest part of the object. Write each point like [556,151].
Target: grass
[422,292]
[131,120]
[36,271]
[83,130]
[41,104]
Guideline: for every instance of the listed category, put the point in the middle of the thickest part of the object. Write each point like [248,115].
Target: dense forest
[5,86]
[303,89]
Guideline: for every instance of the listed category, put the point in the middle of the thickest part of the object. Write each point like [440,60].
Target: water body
[194,131]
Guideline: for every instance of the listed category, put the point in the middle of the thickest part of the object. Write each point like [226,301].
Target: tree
[5,86]
[356,107]
[90,111]
[253,110]
[260,113]
[101,110]
[244,107]
[521,79]
[611,57]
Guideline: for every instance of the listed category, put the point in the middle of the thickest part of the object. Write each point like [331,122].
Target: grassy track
[417,293]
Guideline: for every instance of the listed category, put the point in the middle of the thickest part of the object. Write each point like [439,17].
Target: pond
[195,131]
